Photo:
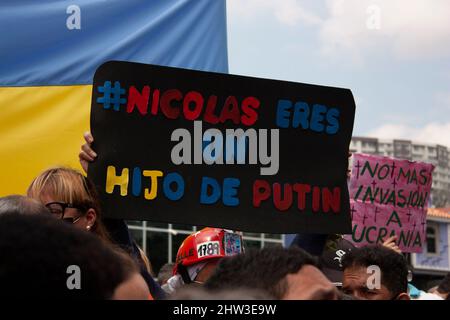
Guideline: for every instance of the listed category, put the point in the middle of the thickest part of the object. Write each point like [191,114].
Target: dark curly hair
[393,266]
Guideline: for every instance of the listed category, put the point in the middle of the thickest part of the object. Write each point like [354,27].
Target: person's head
[283,273]
[20,205]
[375,273]
[42,257]
[134,286]
[70,196]
[443,288]
[200,252]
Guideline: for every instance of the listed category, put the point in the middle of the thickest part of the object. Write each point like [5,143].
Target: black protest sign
[210,149]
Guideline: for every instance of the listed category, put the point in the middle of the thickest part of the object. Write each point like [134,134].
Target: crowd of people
[55,241]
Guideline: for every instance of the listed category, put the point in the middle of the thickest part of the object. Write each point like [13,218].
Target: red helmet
[208,243]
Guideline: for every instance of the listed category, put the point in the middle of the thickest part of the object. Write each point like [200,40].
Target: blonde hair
[146,261]
[70,186]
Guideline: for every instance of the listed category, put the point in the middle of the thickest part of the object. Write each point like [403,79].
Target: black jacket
[118,230]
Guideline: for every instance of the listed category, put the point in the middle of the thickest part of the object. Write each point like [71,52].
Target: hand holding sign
[86,154]
[203,148]
[391,244]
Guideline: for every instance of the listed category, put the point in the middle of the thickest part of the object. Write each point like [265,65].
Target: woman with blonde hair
[70,196]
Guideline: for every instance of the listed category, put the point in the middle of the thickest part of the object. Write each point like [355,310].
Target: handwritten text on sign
[389,197]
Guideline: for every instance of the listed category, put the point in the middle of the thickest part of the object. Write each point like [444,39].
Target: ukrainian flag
[49,51]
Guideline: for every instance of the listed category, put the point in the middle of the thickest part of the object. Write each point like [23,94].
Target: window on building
[432,239]
[369,144]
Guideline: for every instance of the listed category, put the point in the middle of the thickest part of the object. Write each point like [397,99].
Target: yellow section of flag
[40,127]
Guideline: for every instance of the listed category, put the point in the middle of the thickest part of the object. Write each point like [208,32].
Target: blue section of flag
[42,45]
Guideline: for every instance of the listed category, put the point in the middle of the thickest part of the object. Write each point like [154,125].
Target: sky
[393,54]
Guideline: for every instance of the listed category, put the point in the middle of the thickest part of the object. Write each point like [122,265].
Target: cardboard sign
[202,148]
[389,197]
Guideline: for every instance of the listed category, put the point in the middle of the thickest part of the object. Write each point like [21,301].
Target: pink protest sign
[389,197]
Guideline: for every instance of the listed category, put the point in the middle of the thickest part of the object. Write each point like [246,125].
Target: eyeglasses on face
[58,209]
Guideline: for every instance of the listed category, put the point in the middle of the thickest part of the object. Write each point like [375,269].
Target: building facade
[434,261]
[406,149]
